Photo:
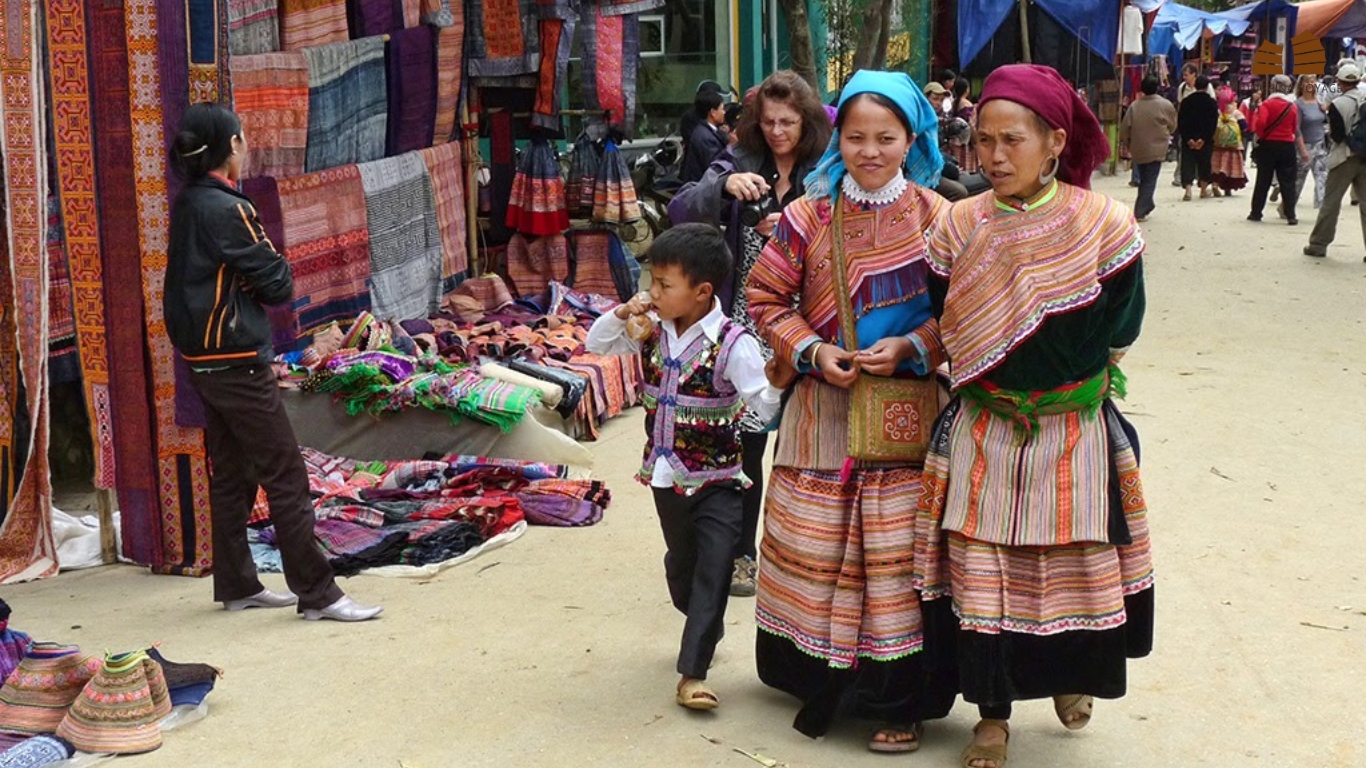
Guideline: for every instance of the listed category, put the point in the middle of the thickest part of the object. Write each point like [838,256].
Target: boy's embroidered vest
[691,410]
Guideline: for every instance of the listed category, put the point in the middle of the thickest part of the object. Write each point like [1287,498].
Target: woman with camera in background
[782,134]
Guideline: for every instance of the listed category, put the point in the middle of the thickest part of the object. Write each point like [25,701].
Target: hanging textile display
[74,141]
[443,13]
[623,7]
[537,206]
[264,193]
[373,17]
[347,103]
[405,245]
[614,195]
[411,67]
[411,13]
[27,547]
[270,96]
[209,43]
[450,61]
[326,239]
[583,176]
[610,66]
[447,172]
[534,263]
[311,23]
[502,38]
[557,34]
[61,319]
[158,68]
[253,26]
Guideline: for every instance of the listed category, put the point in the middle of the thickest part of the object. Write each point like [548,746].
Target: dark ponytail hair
[204,142]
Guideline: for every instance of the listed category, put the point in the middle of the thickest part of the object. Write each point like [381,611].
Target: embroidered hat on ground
[1349,72]
[118,712]
[35,752]
[36,695]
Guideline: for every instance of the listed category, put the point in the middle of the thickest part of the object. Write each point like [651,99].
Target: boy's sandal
[886,745]
[1074,711]
[694,694]
[994,754]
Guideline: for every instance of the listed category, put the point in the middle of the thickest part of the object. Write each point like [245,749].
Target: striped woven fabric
[1024,267]
[592,262]
[120,710]
[836,559]
[614,195]
[347,103]
[327,244]
[447,172]
[405,242]
[19,752]
[1039,590]
[270,95]
[412,13]
[1052,489]
[534,263]
[537,205]
[311,23]
[885,250]
[36,696]
[450,63]
[253,27]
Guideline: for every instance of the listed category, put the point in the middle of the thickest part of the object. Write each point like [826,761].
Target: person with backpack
[1276,124]
[1346,159]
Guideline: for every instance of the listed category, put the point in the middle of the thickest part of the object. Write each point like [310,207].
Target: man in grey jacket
[1345,169]
[1147,128]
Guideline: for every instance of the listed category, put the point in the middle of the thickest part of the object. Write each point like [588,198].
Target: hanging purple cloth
[412,89]
[373,17]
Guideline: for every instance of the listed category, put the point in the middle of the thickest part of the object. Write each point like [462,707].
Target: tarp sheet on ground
[1095,23]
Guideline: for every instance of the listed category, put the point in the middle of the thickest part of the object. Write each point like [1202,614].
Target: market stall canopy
[1332,18]
[1187,25]
[1095,23]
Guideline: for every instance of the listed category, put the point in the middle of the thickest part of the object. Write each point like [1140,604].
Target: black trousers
[1279,159]
[251,443]
[1147,175]
[753,445]
[700,533]
[1195,164]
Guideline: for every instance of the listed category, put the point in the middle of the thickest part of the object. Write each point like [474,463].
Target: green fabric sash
[1025,407]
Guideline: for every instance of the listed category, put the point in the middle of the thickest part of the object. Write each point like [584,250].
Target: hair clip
[203,148]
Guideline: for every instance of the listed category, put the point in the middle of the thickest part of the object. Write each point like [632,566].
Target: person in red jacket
[1276,124]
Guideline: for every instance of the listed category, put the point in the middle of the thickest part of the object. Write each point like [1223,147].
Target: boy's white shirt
[745,370]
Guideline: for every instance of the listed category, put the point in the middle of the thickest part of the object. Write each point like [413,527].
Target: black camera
[753,212]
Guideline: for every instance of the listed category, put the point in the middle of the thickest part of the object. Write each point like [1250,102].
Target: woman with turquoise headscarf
[840,293]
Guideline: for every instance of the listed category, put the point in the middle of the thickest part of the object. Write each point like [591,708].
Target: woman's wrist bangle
[811,358]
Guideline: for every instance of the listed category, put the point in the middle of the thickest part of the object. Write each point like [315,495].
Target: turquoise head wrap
[923,163]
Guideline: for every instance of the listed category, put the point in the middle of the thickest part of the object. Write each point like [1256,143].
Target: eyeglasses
[779,125]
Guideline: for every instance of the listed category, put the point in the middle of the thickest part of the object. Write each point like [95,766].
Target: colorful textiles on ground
[327,242]
[405,242]
[270,94]
[446,170]
[347,103]
[614,194]
[311,23]
[537,205]
[412,89]
[253,27]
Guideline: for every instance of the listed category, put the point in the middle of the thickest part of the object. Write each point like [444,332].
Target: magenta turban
[1044,91]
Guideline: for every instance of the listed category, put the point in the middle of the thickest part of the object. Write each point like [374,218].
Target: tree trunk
[884,37]
[802,51]
[875,20]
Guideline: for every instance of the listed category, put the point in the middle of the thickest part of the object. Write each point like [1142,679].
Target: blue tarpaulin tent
[1095,23]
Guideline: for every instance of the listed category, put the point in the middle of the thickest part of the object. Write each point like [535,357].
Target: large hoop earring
[1047,178]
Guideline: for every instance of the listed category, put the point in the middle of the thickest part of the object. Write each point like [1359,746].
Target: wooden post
[104,500]
[470,145]
[1024,32]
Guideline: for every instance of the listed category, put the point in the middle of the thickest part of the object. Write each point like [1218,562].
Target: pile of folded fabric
[56,701]
[426,512]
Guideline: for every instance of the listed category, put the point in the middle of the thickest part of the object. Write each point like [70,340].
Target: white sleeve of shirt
[608,336]
[745,371]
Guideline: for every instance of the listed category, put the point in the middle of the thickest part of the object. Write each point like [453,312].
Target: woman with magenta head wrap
[1033,521]
[840,625]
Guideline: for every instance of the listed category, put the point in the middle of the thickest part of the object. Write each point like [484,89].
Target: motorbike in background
[656,178]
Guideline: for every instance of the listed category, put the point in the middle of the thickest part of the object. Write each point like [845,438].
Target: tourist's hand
[768,224]
[638,305]
[837,365]
[780,373]
[882,358]
[746,186]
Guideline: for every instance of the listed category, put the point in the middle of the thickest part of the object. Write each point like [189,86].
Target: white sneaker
[263,599]
[344,609]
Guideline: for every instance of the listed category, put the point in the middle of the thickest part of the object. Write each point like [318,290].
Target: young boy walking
[701,370]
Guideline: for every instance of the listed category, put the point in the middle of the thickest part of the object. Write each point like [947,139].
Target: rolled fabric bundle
[573,384]
[551,394]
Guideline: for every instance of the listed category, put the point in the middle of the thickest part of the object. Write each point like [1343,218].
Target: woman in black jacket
[1196,121]
[222,271]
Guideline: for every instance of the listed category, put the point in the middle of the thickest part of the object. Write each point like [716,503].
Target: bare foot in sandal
[896,738]
[696,694]
[988,747]
[1074,710]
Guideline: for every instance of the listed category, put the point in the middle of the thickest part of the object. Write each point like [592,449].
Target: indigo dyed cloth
[348,103]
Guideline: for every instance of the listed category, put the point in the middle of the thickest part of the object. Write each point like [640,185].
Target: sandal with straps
[994,754]
[1074,711]
[696,694]
[916,730]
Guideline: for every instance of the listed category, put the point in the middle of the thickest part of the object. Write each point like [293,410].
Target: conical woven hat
[37,694]
[116,713]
